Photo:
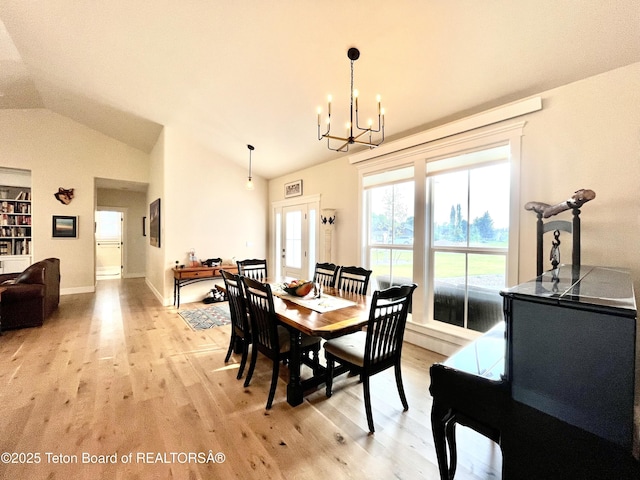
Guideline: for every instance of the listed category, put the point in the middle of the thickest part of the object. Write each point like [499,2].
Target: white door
[294,242]
[108,244]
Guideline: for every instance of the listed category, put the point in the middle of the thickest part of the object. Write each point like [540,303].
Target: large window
[468,205]
[459,241]
[389,200]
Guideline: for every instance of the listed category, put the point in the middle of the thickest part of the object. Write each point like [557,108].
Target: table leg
[295,392]
[176,293]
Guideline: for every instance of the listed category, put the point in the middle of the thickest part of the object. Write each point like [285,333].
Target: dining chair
[376,349]
[252,268]
[353,280]
[240,323]
[326,274]
[270,338]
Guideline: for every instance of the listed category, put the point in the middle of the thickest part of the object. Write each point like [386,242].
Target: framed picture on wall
[64,226]
[293,189]
[154,223]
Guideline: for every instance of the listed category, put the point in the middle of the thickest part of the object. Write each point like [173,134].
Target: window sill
[439,337]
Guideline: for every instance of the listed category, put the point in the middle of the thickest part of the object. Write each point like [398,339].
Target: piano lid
[483,357]
[609,287]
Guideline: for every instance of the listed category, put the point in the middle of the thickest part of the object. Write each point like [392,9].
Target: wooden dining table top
[327,325]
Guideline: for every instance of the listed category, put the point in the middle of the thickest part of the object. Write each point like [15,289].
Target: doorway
[109,245]
[296,237]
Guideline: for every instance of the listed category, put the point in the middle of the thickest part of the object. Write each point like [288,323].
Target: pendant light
[250,181]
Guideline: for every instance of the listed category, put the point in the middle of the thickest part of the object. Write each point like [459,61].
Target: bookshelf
[15,228]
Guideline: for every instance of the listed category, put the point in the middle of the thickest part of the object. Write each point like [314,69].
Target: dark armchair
[31,296]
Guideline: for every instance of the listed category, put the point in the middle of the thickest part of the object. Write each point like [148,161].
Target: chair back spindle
[253,268]
[353,280]
[326,274]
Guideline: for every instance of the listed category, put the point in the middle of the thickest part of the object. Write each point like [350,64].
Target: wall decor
[64,195]
[293,189]
[64,226]
[154,223]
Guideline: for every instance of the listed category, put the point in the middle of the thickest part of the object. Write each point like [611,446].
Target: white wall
[588,136]
[62,153]
[337,183]
[205,206]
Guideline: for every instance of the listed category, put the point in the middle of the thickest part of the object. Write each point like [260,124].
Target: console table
[188,275]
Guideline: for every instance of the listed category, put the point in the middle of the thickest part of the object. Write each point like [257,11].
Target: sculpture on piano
[544,210]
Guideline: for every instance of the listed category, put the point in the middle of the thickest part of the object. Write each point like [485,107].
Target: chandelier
[363,136]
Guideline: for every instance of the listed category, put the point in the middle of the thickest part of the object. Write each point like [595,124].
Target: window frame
[467,249]
[421,329]
[390,247]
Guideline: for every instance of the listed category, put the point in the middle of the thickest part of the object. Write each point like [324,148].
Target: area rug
[207,317]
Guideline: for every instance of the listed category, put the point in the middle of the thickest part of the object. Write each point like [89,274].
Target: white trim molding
[479,120]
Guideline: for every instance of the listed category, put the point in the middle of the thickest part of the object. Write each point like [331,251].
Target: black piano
[553,384]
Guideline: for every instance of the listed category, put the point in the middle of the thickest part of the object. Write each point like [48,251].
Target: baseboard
[164,301]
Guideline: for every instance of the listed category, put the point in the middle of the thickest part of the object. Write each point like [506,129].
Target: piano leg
[450,431]
[441,415]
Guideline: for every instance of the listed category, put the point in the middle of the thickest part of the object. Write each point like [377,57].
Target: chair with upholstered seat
[376,349]
[253,268]
[353,280]
[240,325]
[325,274]
[270,338]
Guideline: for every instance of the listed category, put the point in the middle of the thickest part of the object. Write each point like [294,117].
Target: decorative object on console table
[154,223]
[64,226]
[293,189]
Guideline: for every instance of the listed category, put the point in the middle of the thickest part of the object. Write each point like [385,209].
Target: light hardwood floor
[116,376]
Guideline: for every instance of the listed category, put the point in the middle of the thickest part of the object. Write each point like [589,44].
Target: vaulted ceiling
[233,73]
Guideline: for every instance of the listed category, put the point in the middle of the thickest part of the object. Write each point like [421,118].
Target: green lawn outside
[447,265]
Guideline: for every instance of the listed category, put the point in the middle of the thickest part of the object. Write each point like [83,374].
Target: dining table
[334,313]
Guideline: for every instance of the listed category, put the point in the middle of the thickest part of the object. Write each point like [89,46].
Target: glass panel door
[294,251]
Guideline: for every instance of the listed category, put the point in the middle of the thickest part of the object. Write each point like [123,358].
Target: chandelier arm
[359,135]
[368,144]
[333,137]
[323,135]
[378,130]
[341,148]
